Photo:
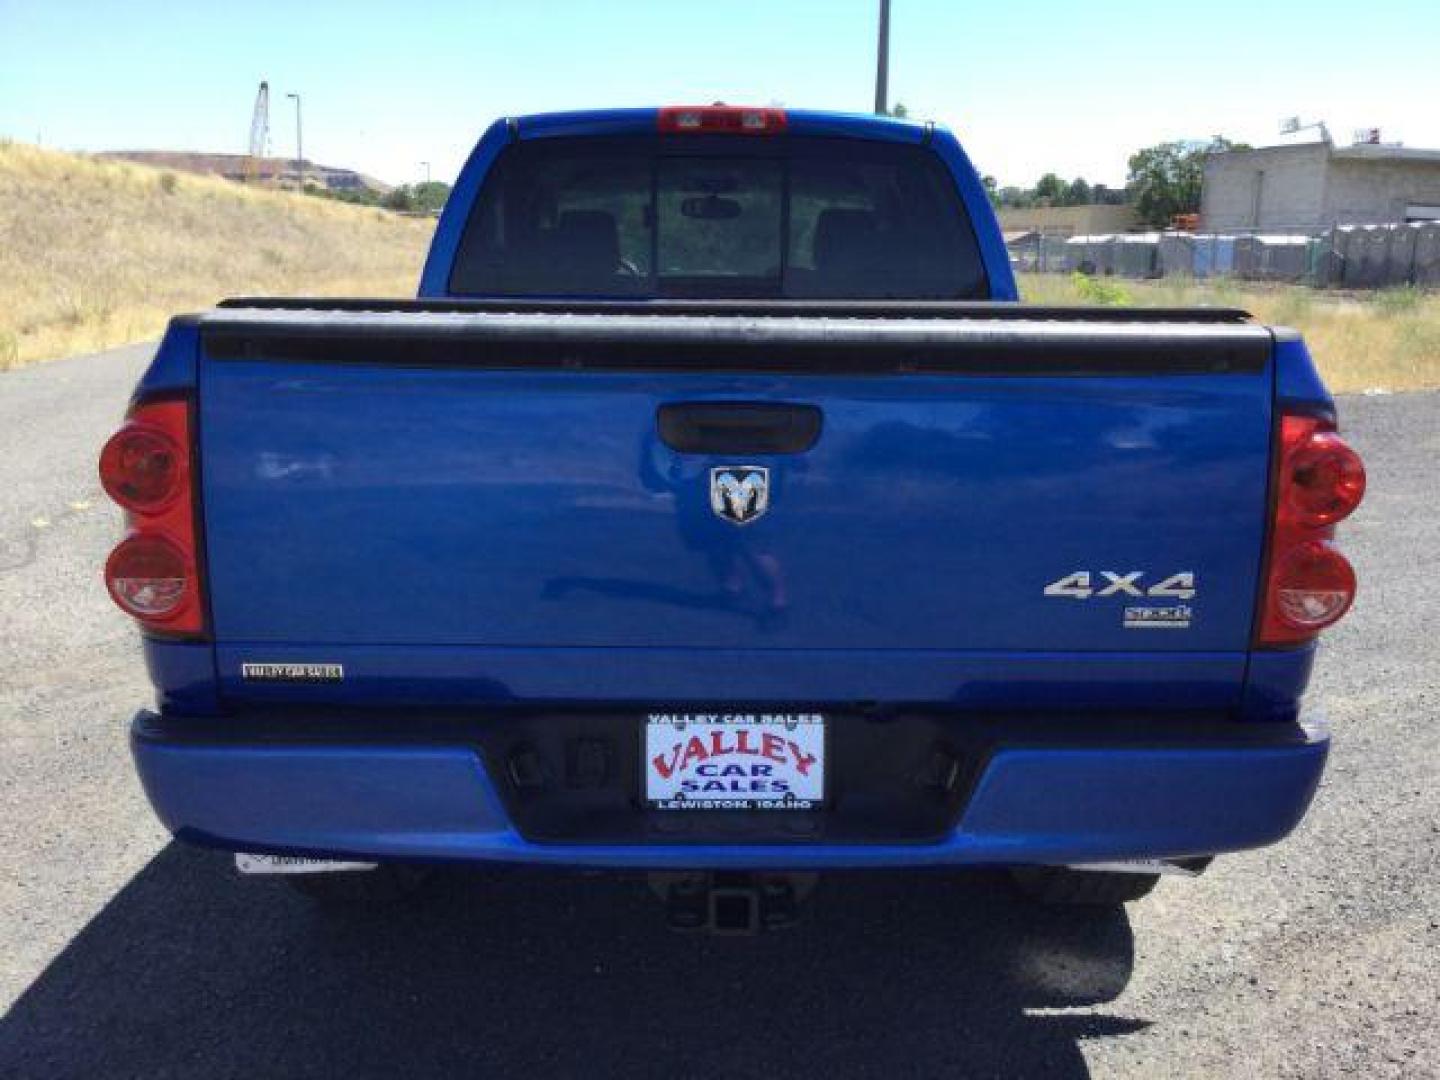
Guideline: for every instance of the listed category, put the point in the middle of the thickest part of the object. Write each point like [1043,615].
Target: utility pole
[426,166]
[299,147]
[882,61]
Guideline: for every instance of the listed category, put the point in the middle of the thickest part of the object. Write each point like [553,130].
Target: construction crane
[259,135]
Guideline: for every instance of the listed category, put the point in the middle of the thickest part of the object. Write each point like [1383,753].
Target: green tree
[1078,193]
[898,110]
[1016,196]
[1050,190]
[1166,179]
[430,196]
[399,198]
[992,189]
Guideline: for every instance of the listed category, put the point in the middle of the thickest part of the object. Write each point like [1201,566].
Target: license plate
[734,761]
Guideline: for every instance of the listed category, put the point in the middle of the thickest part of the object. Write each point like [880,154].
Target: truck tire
[1094,888]
[355,891]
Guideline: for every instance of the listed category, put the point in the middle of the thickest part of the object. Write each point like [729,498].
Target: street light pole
[299,147]
[882,61]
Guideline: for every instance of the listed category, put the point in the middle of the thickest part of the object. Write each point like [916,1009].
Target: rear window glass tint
[792,217]
[718,217]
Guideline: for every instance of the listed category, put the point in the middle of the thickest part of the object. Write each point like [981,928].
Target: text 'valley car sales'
[711,761]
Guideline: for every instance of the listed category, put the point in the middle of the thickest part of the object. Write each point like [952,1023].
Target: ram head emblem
[740,493]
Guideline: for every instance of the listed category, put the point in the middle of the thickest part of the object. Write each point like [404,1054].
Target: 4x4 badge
[740,493]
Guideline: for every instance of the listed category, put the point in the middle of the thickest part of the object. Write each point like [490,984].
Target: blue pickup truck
[717,511]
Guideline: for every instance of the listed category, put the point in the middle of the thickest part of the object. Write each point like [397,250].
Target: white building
[1310,187]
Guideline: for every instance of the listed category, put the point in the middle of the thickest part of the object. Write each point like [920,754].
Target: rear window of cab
[718,216]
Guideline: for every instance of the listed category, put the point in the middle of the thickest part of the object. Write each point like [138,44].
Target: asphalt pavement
[124,954]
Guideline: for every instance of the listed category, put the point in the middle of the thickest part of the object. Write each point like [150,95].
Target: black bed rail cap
[838,309]
[796,344]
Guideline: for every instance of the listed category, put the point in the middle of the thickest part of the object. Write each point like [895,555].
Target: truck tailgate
[382,490]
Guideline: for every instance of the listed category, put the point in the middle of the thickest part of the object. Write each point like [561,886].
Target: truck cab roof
[642,121]
[742,133]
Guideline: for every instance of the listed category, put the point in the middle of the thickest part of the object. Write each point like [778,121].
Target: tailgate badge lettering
[740,494]
[293,673]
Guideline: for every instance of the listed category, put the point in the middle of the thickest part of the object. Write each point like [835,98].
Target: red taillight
[720,119]
[140,468]
[154,574]
[1319,481]
[148,577]
[1326,478]
[1314,585]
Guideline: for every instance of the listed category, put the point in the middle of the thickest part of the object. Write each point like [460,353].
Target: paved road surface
[124,955]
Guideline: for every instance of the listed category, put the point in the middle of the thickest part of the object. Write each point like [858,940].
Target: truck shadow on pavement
[190,971]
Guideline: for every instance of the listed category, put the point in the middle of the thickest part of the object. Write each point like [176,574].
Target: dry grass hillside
[1385,340]
[97,253]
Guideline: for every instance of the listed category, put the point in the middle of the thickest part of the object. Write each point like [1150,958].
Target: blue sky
[1029,87]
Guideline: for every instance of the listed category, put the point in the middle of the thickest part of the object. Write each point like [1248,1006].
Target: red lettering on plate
[694,751]
[774,746]
[667,768]
[803,761]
